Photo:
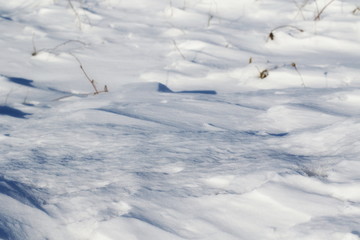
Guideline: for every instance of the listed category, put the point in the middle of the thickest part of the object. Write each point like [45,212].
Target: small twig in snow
[300,8]
[34,47]
[263,74]
[209,19]
[76,14]
[35,51]
[176,46]
[92,81]
[272,35]
[302,80]
[356,11]
[322,10]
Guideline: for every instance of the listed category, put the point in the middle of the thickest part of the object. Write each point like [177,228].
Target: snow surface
[189,142]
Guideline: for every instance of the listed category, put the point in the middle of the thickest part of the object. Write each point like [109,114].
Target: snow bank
[223,120]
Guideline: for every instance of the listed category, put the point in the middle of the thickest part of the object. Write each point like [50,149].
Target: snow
[189,142]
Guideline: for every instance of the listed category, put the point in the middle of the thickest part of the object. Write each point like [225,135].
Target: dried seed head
[264,74]
[271,36]
[356,11]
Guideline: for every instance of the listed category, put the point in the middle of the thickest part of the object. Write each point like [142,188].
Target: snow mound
[222,120]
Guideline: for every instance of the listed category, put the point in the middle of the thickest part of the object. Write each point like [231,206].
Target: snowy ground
[189,142]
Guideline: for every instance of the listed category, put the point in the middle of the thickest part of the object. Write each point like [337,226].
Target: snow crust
[189,142]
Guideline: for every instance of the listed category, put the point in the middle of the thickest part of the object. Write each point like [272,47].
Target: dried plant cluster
[319,10]
[318,13]
[266,72]
[36,51]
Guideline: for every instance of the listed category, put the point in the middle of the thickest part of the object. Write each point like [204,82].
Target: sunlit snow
[212,120]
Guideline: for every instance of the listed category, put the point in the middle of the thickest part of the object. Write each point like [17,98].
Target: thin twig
[209,19]
[7,97]
[35,52]
[65,43]
[271,35]
[288,26]
[296,69]
[171,8]
[76,14]
[174,42]
[92,81]
[300,9]
[322,10]
[317,6]
[211,13]
[356,11]
[34,47]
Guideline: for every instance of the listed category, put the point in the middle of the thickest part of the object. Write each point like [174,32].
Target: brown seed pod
[271,36]
[264,74]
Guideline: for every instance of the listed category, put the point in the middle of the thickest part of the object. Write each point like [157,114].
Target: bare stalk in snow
[92,81]
[320,11]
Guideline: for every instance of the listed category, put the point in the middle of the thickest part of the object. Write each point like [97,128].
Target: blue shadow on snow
[279,134]
[165,89]
[29,83]
[7,19]
[20,192]
[21,81]
[12,112]
[4,234]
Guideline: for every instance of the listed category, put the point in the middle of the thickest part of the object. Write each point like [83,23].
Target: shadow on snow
[12,112]
[21,81]
[165,89]
[20,192]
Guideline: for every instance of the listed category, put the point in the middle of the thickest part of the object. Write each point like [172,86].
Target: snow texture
[223,120]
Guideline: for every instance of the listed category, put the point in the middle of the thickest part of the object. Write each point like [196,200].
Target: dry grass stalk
[209,19]
[356,11]
[35,51]
[302,80]
[300,8]
[76,14]
[272,35]
[92,81]
[320,11]
[177,48]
